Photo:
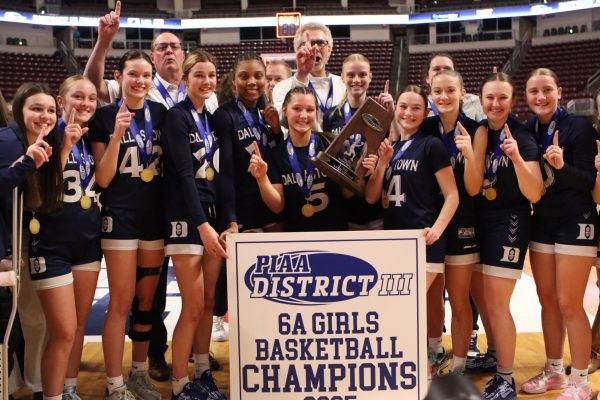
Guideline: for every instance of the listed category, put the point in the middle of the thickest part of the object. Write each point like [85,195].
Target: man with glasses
[167,56]
[313,45]
[168,89]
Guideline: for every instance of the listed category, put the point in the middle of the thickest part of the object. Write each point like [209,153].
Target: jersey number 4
[131,162]
[394,192]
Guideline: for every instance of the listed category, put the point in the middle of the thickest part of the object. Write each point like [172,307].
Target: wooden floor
[529,359]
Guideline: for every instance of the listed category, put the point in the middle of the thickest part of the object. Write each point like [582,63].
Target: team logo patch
[310,278]
[107,224]
[37,265]
[179,229]
[466,233]
[586,231]
[511,254]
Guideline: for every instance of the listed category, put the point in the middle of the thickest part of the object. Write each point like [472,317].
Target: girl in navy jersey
[564,238]
[305,197]
[411,170]
[192,161]
[239,123]
[512,181]
[34,128]
[356,74]
[68,243]
[126,143]
[465,142]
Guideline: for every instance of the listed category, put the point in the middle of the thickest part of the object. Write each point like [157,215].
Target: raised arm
[108,26]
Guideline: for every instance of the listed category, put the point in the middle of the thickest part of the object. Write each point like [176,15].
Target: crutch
[11,278]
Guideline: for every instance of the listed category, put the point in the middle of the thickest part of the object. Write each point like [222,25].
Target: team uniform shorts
[461,242]
[182,236]
[51,263]
[125,229]
[503,240]
[434,256]
[574,235]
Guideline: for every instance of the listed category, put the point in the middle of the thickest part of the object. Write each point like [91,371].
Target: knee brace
[147,271]
[140,317]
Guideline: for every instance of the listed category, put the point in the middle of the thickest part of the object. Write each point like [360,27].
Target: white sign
[327,316]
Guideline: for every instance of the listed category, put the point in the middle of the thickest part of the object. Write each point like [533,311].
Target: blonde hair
[355,57]
[452,73]
[69,82]
[195,57]
[543,72]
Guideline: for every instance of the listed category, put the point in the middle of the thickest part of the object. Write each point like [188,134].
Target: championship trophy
[339,161]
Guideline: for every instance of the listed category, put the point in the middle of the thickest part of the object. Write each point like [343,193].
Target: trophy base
[340,172]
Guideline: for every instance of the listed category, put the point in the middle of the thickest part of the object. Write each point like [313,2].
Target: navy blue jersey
[12,174]
[325,197]
[334,121]
[127,190]
[466,204]
[413,190]
[71,222]
[358,210]
[509,197]
[239,188]
[568,190]
[185,165]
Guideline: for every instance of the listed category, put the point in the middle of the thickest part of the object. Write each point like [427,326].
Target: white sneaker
[219,331]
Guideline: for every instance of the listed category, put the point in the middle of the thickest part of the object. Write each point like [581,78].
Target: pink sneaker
[576,391]
[547,380]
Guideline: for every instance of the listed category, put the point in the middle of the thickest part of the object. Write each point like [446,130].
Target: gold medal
[490,193]
[308,210]
[147,175]
[385,200]
[86,202]
[209,173]
[34,226]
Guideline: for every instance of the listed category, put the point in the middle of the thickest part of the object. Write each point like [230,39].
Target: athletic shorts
[434,256]
[461,242]
[503,241]
[574,235]
[182,236]
[124,229]
[51,263]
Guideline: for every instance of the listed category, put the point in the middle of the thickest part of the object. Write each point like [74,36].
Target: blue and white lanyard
[323,106]
[204,130]
[181,93]
[253,125]
[83,161]
[144,146]
[305,186]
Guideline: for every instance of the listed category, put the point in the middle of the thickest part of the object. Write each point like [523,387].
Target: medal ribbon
[398,155]
[83,161]
[448,138]
[204,130]
[144,146]
[310,168]
[347,112]
[165,93]
[432,106]
[492,170]
[327,105]
[549,136]
[253,125]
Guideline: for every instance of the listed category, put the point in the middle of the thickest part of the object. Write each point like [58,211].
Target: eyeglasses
[320,43]
[164,46]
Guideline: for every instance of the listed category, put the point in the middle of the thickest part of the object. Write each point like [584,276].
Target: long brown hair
[44,189]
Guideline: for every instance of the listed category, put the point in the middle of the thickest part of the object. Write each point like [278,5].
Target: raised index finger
[123,106]
[118,9]
[462,129]
[71,117]
[508,133]
[386,87]
[256,149]
[306,40]
[555,140]
[42,134]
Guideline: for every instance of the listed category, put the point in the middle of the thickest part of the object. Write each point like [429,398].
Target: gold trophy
[339,162]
